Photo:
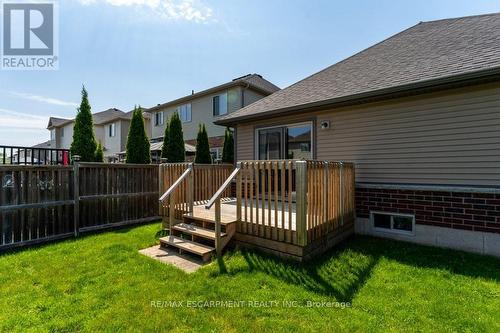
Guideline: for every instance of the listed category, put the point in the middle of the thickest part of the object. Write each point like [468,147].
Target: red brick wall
[458,210]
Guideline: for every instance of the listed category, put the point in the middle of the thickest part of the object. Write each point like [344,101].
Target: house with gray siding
[205,107]
[418,114]
[110,128]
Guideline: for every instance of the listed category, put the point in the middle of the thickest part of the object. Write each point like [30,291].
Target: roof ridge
[337,63]
[461,17]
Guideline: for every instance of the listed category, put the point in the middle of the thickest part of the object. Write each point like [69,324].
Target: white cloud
[14,119]
[189,10]
[43,99]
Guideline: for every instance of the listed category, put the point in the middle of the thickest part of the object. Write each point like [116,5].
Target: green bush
[228,150]
[176,151]
[84,143]
[166,140]
[99,153]
[138,147]
[202,147]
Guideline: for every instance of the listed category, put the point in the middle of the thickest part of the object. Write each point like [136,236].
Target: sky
[145,52]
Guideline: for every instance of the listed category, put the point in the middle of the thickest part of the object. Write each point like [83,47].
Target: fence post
[341,195]
[301,190]
[76,194]
[162,210]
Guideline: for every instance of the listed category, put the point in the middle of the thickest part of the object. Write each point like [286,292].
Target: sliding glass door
[285,142]
[271,144]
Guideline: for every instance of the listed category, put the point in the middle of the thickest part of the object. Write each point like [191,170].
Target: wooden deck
[294,209]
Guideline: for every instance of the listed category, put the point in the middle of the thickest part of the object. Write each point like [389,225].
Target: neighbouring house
[418,114]
[110,128]
[207,106]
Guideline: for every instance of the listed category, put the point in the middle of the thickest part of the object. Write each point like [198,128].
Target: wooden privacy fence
[200,184]
[36,203]
[113,194]
[42,203]
[293,201]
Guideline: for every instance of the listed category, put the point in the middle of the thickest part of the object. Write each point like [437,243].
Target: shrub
[202,147]
[176,151]
[228,150]
[84,143]
[138,147]
[166,140]
[99,153]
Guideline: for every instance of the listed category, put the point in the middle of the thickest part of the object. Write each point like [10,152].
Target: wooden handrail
[223,187]
[179,180]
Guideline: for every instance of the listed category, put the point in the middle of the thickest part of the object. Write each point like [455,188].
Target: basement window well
[393,222]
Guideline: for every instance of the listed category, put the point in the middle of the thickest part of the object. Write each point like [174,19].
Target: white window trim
[256,136]
[227,106]
[112,130]
[178,110]
[161,119]
[392,230]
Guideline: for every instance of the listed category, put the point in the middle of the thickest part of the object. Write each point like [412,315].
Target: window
[390,222]
[112,130]
[219,103]
[285,142]
[216,154]
[184,112]
[62,132]
[52,134]
[159,118]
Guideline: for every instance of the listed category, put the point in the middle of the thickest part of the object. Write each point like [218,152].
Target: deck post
[301,194]
[76,194]
[171,211]
[191,188]
[218,245]
[238,193]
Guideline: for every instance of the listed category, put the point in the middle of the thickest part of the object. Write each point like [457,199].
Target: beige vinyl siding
[447,138]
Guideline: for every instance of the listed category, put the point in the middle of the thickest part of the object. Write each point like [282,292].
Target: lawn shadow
[344,270]
[336,273]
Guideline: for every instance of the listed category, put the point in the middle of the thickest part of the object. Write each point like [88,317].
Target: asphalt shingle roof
[255,81]
[424,52]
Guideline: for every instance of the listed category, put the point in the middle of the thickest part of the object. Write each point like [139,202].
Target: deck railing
[288,201]
[196,187]
[293,201]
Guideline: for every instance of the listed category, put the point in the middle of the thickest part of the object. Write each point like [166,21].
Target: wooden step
[228,214]
[189,246]
[197,231]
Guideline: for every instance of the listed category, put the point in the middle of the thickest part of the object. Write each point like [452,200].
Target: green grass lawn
[101,282]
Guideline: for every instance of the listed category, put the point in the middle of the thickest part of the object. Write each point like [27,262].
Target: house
[419,116]
[110,128]
[207,106]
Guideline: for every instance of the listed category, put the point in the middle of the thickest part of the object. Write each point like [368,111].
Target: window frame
[392,230]
[112,130]
[179,112]
[161,120]
[284,147]
[218,97]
